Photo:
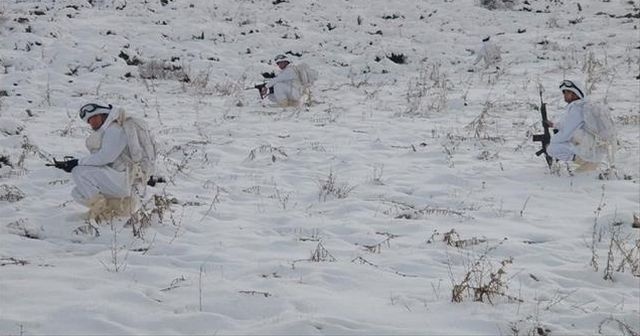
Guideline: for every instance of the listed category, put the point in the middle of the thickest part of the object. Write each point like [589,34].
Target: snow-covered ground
[338,218]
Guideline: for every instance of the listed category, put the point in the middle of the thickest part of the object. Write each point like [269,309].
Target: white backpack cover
[599,121]
[598,137]
[306,75]
[141,146]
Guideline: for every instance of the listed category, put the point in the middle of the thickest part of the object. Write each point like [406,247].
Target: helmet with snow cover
[573,86]
[89,110]
[281,58]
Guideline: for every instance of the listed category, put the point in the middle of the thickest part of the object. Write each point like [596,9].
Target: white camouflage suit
[287,89]
[104,171]
[573,140]
[489,53]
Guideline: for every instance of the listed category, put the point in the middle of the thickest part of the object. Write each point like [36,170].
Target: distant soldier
[489,53]
[291,84]
[586,131]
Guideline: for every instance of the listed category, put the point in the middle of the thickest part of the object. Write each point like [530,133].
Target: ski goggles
[281,58]
[567,84]
[89,108]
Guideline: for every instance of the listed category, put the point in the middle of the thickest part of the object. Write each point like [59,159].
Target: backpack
[306,75]
[598,137]
[599,122]
[142,149]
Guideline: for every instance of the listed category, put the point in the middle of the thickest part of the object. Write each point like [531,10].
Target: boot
[585,166]
[120,207]
[290,103]
[97,208]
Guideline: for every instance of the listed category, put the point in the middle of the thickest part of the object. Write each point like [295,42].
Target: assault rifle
[67,164]
[70,162]
[153,180]
[259,87]
[544,138]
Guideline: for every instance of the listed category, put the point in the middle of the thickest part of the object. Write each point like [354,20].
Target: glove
[263,91]
[67,165]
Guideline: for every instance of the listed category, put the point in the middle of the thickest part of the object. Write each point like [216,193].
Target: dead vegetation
[497,4]
[10,193]
[452,238]
[377,248]
[158,205]
[118,253]
[528,327]
[622,247]
[616,324]
[330,187]
[22,228]
[623,252]
[428,93]
[4,261]
[163,70]
[479,124]
[274,153]
[482,281]
[461,138]
[230,87]
[364,261]
[319,254]
[403,210]
[253,292]
[175,283]
[629,119]
[429,210]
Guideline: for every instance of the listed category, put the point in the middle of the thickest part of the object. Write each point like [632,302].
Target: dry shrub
[623,252]
[331,187]
[275,153]
[623,327]
[10,193]
[479,125]
[482,282]
[321,254]
[163,70]
[497,4]
[4,261]
[428,210]
[23,228]
[452,238]
[623,248]
[377,248]
[142,218]
[427,93]
[629,119]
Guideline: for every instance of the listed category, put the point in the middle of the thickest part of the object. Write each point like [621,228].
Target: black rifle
[70,162]
[259,87]
[67,164]
[544,138]
[153,180]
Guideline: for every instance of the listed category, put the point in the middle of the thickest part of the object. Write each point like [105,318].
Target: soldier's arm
[114,142]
